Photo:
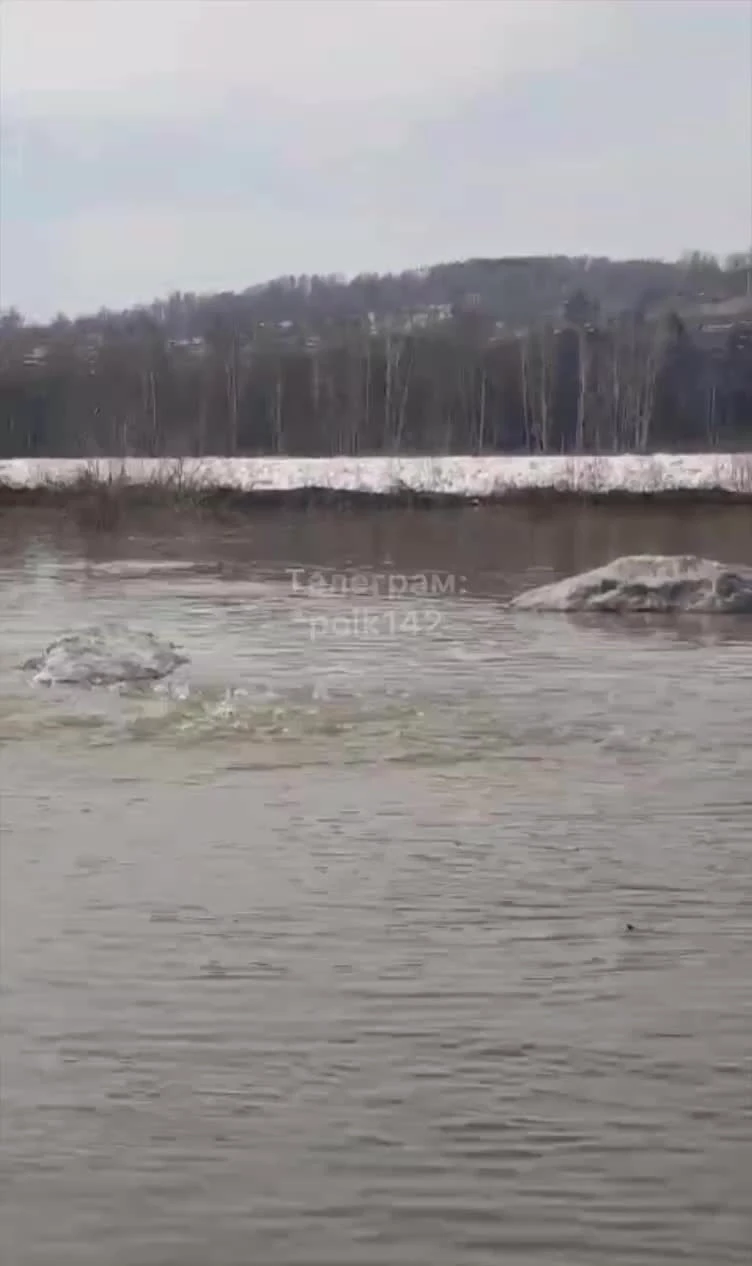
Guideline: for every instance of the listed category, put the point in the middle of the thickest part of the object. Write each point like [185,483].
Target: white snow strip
[458,476]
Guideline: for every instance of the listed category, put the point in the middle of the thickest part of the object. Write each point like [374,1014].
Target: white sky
[301,50]
[151,145]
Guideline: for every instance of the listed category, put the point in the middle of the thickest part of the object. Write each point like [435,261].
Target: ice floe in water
[106,654]
[649,583]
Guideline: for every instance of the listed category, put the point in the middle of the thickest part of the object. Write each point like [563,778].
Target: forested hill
[516,292]
[521,354]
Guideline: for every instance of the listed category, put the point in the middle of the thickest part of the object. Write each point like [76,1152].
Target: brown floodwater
[397,927]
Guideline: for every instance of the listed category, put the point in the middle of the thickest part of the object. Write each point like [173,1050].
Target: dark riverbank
[106,506]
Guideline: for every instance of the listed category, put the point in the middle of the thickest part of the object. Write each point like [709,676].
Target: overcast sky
[157,145]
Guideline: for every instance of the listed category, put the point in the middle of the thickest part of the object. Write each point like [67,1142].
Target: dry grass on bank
[100,500]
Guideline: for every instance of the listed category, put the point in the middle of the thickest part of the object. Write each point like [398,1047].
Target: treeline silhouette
[518,355]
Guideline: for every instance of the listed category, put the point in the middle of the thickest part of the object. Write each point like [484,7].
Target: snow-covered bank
[472,477]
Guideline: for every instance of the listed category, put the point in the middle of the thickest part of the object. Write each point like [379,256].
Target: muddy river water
[396,928]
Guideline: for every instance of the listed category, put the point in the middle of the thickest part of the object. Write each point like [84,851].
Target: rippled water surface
[393,929]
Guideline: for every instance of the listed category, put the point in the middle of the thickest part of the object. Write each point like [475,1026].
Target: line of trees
[211,376]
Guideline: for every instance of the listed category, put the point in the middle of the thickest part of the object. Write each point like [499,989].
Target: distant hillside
[510,292]
[530,355]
